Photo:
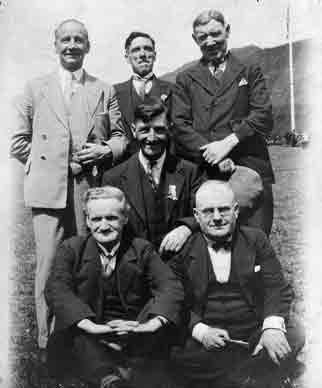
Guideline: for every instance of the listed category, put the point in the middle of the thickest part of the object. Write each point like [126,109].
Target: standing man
[140,54]
[68,127]
[240,335]
[113,298]
[159,186]
[222,108]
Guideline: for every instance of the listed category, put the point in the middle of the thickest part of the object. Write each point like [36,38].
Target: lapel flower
[172,193]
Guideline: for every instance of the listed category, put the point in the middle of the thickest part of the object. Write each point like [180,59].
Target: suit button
[43,157]
[44,136]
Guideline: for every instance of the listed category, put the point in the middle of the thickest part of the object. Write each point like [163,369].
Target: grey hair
[205,17]
[71,21]
[106,192]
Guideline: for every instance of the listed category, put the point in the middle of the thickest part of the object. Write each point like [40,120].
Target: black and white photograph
[161,197]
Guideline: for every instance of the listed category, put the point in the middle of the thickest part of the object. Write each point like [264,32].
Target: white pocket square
[257,268]
[243,82]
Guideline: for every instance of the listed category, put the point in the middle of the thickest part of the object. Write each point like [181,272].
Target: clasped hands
[216,151]
[272,340]
[120,326]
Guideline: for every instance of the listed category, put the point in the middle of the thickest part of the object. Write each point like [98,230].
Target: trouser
[51,226]
[261,215]
[141,361]
[229,367]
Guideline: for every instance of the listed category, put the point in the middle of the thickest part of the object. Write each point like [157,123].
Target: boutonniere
[164,97]
[257,268]
[172,193]
[243,82]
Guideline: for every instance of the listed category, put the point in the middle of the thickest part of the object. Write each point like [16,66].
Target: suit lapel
[53,93]
[243,260]
[199,266]
[94,97]
[173,183]
[232,71]
[201,74]
[132,186]
[125,101]
[126,268]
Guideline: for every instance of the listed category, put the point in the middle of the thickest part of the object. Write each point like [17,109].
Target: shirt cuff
[199,330]
[233,139]
[162,319]
[274,322]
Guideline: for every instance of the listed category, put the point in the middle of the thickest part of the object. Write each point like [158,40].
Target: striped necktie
[151,174]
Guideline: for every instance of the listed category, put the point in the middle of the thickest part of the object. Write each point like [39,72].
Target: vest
[227,308]
[155,203]
[112,305]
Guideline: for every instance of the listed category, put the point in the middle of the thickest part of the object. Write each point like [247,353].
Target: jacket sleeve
[166,290]
[67,307]
[22,126]
[187,139]
[277,293]
[118,141]
[260,116]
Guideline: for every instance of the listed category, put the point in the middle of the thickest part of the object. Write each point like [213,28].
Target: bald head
[216,209]
[65,22]
[214,189]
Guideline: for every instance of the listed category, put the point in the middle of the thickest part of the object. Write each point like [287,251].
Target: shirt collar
[158,163]
[64,74]
[112,252]
[137,77]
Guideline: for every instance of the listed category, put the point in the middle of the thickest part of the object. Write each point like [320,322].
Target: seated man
[113,298]
[159,186]
[239,331]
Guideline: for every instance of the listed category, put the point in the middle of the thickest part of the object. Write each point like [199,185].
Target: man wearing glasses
[239,334]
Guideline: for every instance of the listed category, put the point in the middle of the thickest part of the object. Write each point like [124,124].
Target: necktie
[143,85]
[108,268]
[151,175]
[69,89]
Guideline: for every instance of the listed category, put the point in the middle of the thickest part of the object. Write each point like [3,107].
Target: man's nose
[104,224]
[152,134]
[142,52]
[216,214]
[71,43]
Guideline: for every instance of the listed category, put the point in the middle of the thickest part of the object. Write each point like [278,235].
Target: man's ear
[88,47]
[195,39]
[236,210]
[133,129]
[228,30]
[126,56]
[196,215]
[87,221]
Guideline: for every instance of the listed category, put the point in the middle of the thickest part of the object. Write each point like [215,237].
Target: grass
[287,239]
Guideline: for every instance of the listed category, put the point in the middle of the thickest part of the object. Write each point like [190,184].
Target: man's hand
[150,326]
[91,152]
[275,343]
[214,338]
[216,151]
[121,326]
[174,240]
[92,328]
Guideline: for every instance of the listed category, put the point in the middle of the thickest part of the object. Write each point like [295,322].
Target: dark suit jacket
[241,104]
[266,290]
[183,175]
[124,97]
[146,285]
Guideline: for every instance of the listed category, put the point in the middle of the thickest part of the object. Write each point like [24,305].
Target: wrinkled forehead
[214,196]
[156,121]
[71,27]
[140,41]
[211,26]
[105,206]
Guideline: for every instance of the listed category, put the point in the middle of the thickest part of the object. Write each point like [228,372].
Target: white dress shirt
[108,258]
[142,82]
[66,77]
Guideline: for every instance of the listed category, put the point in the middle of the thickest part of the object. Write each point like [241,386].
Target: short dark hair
[137,34]
[205,17]
[151,108]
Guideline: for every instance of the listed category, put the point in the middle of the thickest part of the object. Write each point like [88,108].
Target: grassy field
[287,239]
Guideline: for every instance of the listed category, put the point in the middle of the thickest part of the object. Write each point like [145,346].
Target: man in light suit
[222,109]
[140,53]
[159,186]
[239,334]
[68,128]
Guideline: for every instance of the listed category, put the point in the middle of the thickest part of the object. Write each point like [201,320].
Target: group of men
[174,185]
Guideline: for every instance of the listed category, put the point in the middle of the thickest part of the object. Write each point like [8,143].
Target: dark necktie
[151,175]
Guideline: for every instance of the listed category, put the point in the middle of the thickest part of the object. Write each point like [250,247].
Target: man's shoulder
[122,85]
[116,172]
[182,165]
[97,82]
[253,236]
